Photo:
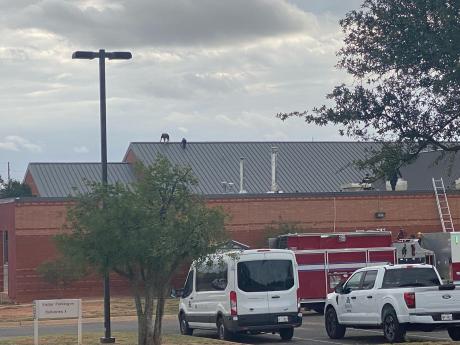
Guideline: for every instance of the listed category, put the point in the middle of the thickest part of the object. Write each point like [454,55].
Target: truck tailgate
[434,300]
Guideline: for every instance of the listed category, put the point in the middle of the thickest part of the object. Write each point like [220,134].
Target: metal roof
[68,179]
[302,166]
[419,174]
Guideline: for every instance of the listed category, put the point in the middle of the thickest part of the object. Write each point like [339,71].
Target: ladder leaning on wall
[443,205]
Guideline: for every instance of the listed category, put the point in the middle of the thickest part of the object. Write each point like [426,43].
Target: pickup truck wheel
[184,328]
[286,333]
[333,328]
[454,333]
[393,331]
[222,332]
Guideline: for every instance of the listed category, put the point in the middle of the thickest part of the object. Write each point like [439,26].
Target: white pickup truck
[396,298]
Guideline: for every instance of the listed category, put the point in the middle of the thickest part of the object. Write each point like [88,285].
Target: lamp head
[84,55]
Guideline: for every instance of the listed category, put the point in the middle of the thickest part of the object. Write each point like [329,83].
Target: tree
[13,189]
[144,232]
[403,56]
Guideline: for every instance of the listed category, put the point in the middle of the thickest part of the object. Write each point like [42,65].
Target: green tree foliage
[403,56]
[13,189]
[144,232]
[62,272]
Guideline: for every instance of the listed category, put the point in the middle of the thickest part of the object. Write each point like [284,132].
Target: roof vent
[242,191]
[183,143]
[274,187]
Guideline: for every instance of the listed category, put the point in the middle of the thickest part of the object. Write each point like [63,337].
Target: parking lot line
[318,340]
[409,334]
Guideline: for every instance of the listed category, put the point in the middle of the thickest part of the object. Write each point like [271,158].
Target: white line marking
[318,341]
[409,334]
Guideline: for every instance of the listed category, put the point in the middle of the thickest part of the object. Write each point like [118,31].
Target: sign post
[57,309]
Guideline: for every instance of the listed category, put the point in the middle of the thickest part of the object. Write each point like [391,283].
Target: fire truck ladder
[443,206]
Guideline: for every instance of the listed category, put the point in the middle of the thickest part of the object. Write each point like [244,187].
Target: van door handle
[191,297]
[369,296]
[354,297]
[275,296]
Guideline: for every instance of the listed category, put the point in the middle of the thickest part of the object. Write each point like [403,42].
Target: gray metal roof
[419,174]
[67,179]
[302,166]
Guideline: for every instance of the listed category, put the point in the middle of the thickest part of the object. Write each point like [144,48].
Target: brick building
[308,182]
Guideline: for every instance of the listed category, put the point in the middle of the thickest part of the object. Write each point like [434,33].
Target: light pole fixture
[102,55]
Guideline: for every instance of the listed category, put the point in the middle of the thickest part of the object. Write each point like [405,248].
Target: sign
[57,309]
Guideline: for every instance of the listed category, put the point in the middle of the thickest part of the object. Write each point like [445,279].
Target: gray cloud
[206,70]
[163,22]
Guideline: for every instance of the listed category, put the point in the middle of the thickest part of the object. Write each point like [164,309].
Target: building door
[5,261]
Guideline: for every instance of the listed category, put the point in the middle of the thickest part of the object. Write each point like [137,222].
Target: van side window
[188,287]
[211,278]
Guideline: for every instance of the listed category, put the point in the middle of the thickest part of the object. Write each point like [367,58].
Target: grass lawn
[122,338]
[92,308]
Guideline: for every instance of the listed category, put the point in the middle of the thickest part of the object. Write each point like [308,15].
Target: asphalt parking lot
[312,332]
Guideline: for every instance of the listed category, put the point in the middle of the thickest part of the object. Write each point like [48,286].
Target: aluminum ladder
[443,205]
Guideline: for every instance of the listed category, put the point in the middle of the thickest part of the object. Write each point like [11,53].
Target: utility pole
[9,175]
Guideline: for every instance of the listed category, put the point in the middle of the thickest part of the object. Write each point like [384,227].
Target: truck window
[369,280]
[354,282]
[265,275]
[410,277]
[211,278]
[188,287]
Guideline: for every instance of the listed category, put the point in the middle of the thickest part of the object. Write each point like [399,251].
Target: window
[211,277]
[369,280]
[265,275]
[354,282]
[188,287]
[410,277]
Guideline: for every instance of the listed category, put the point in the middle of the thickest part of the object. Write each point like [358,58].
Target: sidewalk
[12,324]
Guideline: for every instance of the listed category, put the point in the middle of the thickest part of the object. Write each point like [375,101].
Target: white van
[248,291]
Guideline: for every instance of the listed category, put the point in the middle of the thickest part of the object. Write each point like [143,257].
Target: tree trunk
[144,318]
[159,317]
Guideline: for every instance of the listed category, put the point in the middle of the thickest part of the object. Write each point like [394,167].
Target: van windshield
[265,275]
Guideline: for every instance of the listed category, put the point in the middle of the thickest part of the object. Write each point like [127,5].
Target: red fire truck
[326,259]
[446,249]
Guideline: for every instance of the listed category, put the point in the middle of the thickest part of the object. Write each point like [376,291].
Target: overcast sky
[205,70]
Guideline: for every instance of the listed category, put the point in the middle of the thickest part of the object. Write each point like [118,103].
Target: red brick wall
[7,224]
[36,223]
[30,181]
[250,217]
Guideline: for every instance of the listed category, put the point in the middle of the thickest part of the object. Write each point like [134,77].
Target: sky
[204,70]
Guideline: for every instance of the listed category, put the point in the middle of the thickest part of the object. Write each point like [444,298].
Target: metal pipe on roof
[274,187]
[242,176]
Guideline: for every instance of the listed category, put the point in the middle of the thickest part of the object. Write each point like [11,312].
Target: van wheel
[286,333]
[333,328]
[393,331]
[184,328]
[454,333]
[222,332]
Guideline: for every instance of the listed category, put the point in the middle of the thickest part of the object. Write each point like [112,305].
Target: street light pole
[102,55]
